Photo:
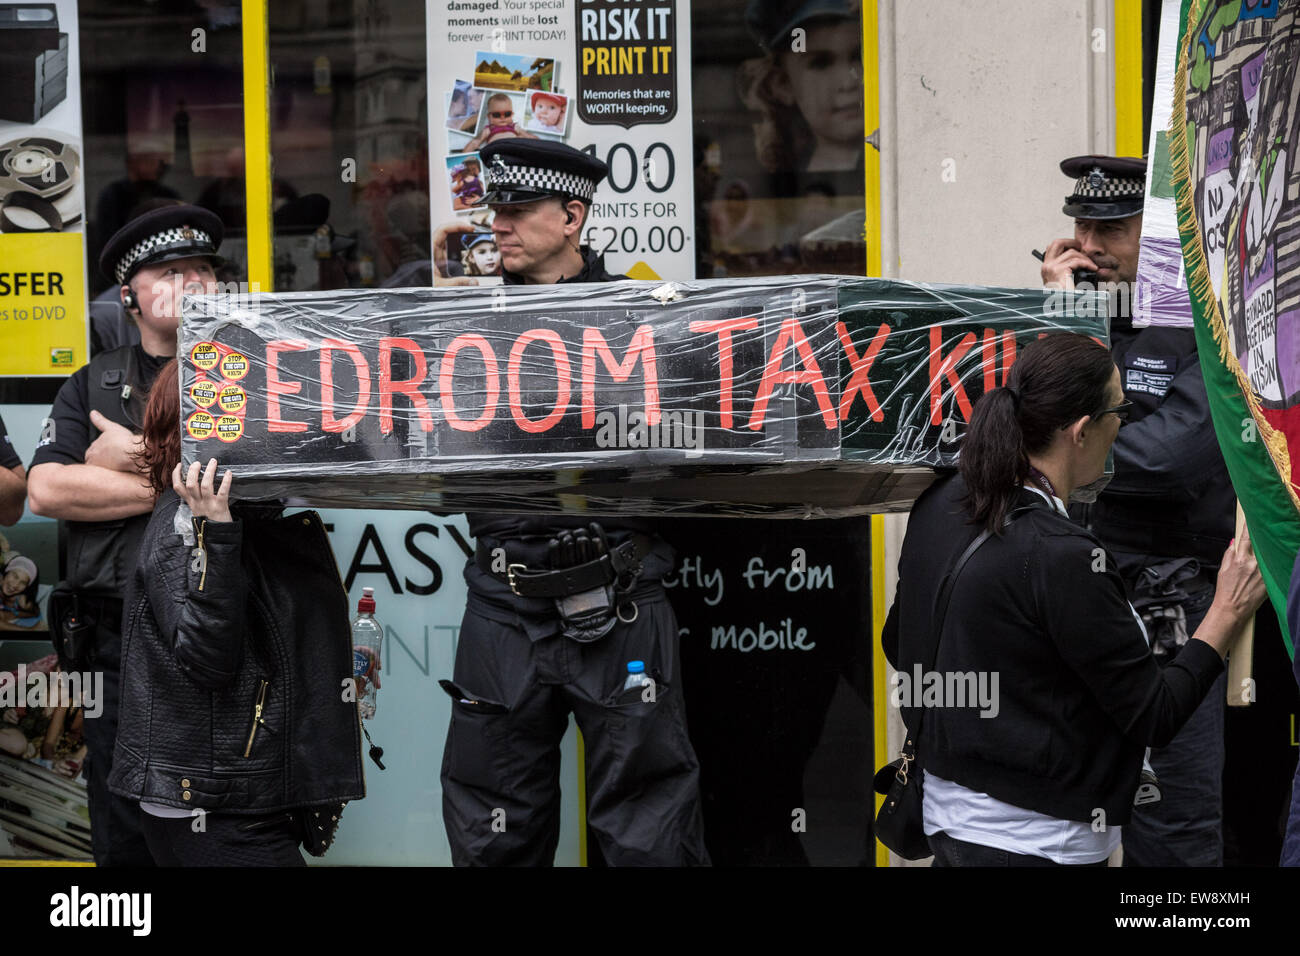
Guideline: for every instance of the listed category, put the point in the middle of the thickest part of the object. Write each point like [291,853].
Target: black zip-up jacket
[1079,694]
[235,651]
[526,535]
[593,270]
[508,526]
[1170,496]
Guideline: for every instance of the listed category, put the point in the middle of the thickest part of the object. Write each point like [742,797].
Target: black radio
[33,61]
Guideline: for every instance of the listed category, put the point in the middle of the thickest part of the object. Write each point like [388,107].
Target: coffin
[798,396]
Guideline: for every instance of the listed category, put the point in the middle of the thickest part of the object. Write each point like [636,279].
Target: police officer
[1167,514]
[558,607]
[85,472]
[13,480]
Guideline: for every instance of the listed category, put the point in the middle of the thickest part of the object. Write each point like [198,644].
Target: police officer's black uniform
[86,609]
[8,457]
[518,676]
[1167,517]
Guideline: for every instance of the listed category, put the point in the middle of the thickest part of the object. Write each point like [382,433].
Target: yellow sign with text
[42,304]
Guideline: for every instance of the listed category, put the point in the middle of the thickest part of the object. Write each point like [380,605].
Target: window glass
[779,139]
[349,133]
[776,616]
[166,126]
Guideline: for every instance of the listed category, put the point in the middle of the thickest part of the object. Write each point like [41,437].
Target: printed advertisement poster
[611,78]
[26,550]
[29,548]
[42,254]
[43,806]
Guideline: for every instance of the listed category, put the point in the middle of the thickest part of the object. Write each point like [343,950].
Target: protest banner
[706,397]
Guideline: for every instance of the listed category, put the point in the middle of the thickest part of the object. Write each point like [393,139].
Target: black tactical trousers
[1186,827]
[501,765]
[115,835]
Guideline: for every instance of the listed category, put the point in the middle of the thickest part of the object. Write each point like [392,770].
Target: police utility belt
[589,580]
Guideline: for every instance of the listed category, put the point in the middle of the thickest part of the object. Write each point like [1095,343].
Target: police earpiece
[129,302]
[568,216]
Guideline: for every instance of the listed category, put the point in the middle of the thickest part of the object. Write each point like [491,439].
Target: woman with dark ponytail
[1031,690]
[1050,388]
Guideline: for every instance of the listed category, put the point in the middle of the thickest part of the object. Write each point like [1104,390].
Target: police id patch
[1151,374]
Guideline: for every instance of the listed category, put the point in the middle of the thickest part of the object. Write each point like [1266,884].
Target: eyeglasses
[1122,411]
[499,114]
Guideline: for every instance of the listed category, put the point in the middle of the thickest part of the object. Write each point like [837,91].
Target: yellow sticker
[229,428]
[199,425]
[234,366]
[203,392]
[205,356]
[232,398]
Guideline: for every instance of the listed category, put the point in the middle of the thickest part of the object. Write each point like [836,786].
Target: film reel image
[40,178]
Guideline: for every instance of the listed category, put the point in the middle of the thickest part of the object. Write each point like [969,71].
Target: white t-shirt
[975,817]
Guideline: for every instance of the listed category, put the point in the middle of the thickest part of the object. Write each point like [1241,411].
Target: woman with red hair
[235,647]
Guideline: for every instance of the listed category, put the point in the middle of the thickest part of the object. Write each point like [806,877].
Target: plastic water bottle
[367,637]
[636,675]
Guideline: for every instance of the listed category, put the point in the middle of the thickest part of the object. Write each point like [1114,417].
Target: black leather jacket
[233,667]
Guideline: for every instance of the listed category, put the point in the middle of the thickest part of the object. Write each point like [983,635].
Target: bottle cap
[367,603]
[636,667]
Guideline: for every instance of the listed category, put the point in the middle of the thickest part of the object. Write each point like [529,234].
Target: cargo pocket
[93,555]
[476,753]
[646,733]
[469,703]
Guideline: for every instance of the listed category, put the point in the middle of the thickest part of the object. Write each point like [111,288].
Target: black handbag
[900,824]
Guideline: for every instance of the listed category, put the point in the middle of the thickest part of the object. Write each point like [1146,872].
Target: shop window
[779,139]
[173,130]
[348,134]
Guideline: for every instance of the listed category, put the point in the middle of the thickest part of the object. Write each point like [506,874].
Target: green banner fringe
[1258,460]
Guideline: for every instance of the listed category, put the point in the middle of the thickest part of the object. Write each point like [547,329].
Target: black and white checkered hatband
[1100,185]
[509,177]
[172,243]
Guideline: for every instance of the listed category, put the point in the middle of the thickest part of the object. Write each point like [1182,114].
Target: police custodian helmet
[526,170]
[172,232]
[1105,187]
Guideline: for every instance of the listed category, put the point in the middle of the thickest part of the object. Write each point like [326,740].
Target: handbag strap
[941,612]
